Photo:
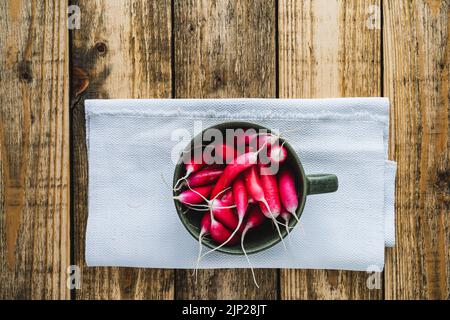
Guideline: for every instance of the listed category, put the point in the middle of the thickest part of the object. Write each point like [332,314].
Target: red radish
[195,161]
[277,154]
[193,167]
[255,188]
[194,164]
[272,206]
[253,185]
[241,201]
[255,218]
[194,196]
[224,214]
[205,176]
[228,198]
[288,191]
[240,197]
[220,234]
[233,169]
[216,207]
[270,187]
[205,226]
[224,153]
[213,204]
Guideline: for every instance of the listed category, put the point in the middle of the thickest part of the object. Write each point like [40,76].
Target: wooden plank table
[214,49]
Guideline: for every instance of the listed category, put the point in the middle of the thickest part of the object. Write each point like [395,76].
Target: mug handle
[321,183]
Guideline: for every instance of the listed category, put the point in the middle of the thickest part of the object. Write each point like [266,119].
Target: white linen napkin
[132,218]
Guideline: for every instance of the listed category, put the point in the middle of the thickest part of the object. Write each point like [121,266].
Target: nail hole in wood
[25,74]
[101,48]
[217,80]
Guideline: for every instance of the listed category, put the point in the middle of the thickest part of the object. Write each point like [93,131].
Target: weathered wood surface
[328,49]
[34,150]
[416,74]
[225,49]
[124,49]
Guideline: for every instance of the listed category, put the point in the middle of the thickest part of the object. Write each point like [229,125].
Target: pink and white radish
[228,198]
[194,196]
[224,214]
[288,191]
[255,189]
[241,203]
[220,234]
[253,184]
[271,207]
[203,177]
[233,169]
[270,187]
[240,197]
[277,154]
[194,164]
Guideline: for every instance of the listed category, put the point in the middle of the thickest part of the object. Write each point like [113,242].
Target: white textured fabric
[132,218]
[389,203]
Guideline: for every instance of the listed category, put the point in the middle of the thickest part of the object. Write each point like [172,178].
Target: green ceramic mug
[264,236]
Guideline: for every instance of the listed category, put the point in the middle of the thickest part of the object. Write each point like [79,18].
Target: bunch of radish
[239,192]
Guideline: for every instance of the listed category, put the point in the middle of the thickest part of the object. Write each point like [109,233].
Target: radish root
[195,272]
[196,208]
[275,222]
[283,224]
[178,186]
[295,216]
[246,256]
[287,220]
[279,232]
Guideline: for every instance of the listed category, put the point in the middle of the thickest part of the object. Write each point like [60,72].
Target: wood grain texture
[124,49]
[225,49]
[416,60]
[328,49]
[34,150]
